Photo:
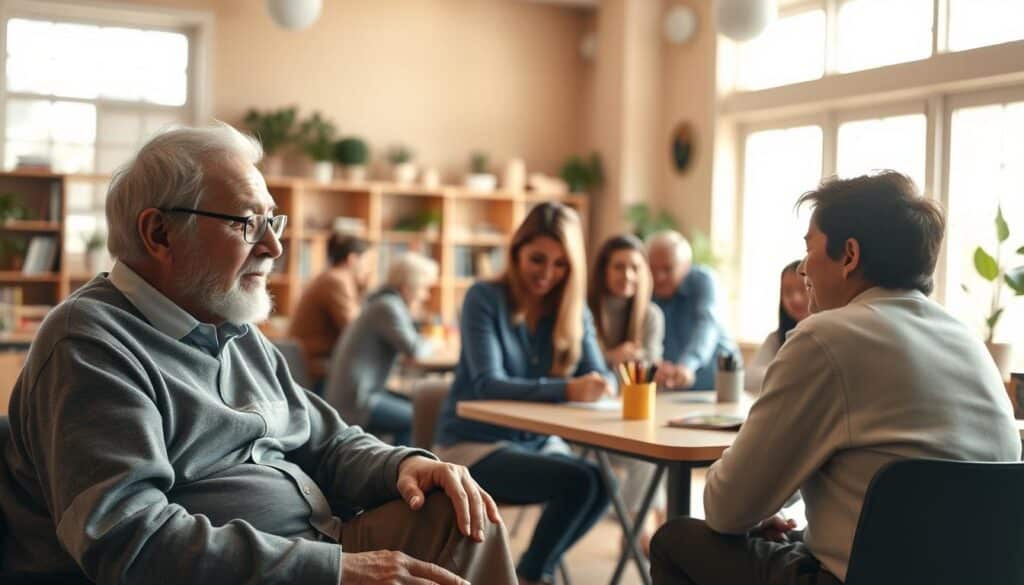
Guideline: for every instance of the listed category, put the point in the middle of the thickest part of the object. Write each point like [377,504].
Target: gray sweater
[363,358]
[142,458]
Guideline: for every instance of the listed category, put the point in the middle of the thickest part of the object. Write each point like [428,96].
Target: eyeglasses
[255,225]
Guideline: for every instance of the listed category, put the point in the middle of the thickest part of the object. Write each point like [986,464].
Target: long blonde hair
[562,224]
[598,291]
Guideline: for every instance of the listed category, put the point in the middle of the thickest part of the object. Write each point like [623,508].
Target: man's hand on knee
[417,475]
[389,567]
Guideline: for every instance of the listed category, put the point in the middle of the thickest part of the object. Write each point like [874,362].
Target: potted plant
[400,157]
[12,252]
[479,179]
[992,269]
[316,137]
[352,153]
[95,253]
[274,131]
[583,174]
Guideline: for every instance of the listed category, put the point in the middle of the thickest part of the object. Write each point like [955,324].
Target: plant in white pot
[316,136]
[479,179]
[992,269]
[274,130]
[352,154]
[403,171]
[95,251]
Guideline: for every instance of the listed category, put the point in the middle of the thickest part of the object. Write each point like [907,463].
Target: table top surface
[653,438]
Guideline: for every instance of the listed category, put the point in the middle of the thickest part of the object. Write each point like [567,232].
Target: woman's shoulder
[487,291]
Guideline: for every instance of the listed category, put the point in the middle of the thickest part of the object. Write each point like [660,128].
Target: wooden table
[678,450]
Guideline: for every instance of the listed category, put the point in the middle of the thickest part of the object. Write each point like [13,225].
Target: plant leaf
[1015,278]
[985,264]
[1002,230]
[1020,250]
[994,318]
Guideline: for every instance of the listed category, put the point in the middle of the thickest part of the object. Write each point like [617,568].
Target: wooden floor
[592,561]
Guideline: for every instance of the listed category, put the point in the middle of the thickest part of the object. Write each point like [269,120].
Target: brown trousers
[431,535]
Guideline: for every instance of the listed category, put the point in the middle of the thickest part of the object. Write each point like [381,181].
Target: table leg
[679,489]
[629,529]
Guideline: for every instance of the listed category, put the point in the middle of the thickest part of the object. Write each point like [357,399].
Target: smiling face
[666,270]
[823,276]
[794,296]
[542,265]
[623,273]
[220,274]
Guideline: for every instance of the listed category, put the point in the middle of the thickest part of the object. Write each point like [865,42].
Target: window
[792,49]
[780,165]
[985,170]
[976,23]
[84,96]
[873,33]
[896,142]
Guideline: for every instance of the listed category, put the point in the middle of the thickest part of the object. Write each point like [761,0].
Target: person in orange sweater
[329,303]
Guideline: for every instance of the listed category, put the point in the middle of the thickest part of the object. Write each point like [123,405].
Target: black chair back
[939,522]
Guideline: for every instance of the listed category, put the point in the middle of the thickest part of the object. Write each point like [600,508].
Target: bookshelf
[465,232]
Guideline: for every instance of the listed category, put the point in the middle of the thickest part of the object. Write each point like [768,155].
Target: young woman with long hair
[792,309]
[529,336]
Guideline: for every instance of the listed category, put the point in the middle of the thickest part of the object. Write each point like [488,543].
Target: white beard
[237,304]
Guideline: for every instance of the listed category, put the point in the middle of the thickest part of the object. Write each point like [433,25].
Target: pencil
[624,373]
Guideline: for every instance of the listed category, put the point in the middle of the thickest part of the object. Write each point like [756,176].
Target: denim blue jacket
[502,360]
[694,334]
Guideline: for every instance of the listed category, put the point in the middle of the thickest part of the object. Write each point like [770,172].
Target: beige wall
[443,76]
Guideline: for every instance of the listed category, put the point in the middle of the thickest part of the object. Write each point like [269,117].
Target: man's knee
[677,537]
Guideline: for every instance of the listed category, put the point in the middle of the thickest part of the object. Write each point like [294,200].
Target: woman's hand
[589,387]
[625,352]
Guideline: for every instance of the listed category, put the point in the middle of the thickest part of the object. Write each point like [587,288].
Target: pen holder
[728,385]
[638,401]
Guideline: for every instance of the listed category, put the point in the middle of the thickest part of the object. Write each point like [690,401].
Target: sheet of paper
[607,404]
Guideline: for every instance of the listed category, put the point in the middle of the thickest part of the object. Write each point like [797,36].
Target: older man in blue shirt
[688,296]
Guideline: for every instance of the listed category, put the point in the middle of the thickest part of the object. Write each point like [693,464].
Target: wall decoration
[682,145]
[680,24]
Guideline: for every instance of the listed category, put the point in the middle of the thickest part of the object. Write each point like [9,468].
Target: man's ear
[154,233]
[851,257]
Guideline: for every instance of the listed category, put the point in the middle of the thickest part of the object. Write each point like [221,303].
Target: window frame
[197,26]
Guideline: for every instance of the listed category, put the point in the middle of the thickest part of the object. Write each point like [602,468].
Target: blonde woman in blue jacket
[529,336]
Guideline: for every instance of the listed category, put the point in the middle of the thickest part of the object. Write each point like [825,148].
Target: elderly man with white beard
[158,437]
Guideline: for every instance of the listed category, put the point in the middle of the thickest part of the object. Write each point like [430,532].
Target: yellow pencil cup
[638,401]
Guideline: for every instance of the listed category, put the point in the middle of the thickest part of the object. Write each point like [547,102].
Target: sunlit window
[82,97]
[780,165]
[896,143]
[976,23]
[791,50]
[873,33]
[985,170]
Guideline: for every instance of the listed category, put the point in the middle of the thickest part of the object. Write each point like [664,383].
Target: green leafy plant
[316,137]
[991,268]
[479,163]
[12,252]
[351,151]
[10,208]
[420,221]
[646,222]
[399,155]
[94,241]
[274,129]
[583,174]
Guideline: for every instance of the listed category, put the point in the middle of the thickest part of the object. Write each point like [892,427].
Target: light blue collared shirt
[167,317]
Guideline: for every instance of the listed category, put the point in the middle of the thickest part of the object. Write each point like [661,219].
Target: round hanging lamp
[742,20]
[294,14]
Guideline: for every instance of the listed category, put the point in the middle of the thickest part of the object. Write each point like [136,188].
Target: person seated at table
[529,336]
[158,437]
[879,372]
[792,310]
[687,294]
[629,328]
[364,357]
[329,303]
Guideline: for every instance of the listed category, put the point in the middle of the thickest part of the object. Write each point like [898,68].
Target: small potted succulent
[352,153]
[400,157]
[479,179]
[316,136]
[991,268]
[274,130]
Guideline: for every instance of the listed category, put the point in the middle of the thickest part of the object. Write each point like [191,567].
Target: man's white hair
[674,241]
[412,269]
[168,171]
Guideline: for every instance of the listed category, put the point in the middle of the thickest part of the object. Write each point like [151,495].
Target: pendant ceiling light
[294,14]
[742,20]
